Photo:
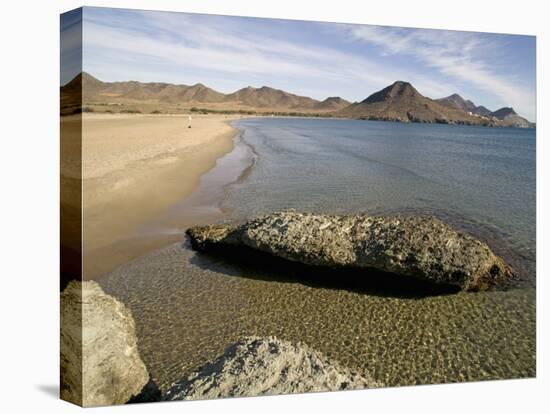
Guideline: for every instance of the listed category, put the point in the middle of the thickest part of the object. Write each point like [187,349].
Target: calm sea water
[471,175]
[190,306]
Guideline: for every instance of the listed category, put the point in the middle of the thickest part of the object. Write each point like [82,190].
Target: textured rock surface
[421,247]
[98,342]
[267,366]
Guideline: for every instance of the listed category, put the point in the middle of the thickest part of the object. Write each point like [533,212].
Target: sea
[190,306]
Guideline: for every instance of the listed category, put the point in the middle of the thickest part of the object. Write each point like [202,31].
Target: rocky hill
[398,102]
[458,102]
[266,97]
[402,102]
[509,117]
[95,90]
[332,103]
[501,117]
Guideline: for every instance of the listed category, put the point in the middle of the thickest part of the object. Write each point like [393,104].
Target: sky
[315,59]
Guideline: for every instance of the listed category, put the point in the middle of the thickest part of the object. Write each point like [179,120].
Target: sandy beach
[148,178]
[133,168]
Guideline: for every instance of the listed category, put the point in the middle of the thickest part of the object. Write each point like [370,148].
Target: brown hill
[87,82]
[332,103]
[509,117]
[194,93]
[502,117]
[94,89]
[87,90]
[266,97]
[402,102]
[458,102]
[263,99]
[72,92]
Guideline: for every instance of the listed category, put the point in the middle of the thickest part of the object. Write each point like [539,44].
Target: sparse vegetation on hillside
[399,102]
[260,113]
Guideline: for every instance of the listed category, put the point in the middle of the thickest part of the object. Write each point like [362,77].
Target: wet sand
[134,168]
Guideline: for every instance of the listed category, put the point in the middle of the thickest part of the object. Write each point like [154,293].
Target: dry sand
[134,167]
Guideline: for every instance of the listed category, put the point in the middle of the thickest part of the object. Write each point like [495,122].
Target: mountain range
[264,99]
[402,102]
[398,102]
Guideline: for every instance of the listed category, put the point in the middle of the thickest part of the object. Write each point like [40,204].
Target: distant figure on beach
[189,122]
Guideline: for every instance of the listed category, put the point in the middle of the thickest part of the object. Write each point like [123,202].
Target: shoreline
[127,187]
[238,115]
[368,331]
[165,193]
[202,206]
[205,203]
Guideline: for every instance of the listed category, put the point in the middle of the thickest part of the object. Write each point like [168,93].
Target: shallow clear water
[188,307]
[484,175]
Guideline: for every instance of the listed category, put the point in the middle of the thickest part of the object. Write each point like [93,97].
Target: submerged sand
[134,167]
[190,306]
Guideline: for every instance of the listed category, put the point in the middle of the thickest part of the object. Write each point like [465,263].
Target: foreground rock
[424,248]
[267,366]
[100,363]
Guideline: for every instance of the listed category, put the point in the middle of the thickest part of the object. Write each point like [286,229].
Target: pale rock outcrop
[267,366]
[100,362]
[421,247]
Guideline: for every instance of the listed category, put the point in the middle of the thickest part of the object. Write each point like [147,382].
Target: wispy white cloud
[458,55]
[187,42]
[352,61]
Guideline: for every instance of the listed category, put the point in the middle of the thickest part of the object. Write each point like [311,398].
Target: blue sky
[307,58]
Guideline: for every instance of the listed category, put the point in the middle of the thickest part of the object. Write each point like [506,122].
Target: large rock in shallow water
[267,366]
[100,363]
[421,247]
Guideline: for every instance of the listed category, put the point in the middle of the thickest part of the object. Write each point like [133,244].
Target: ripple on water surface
[189,306]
